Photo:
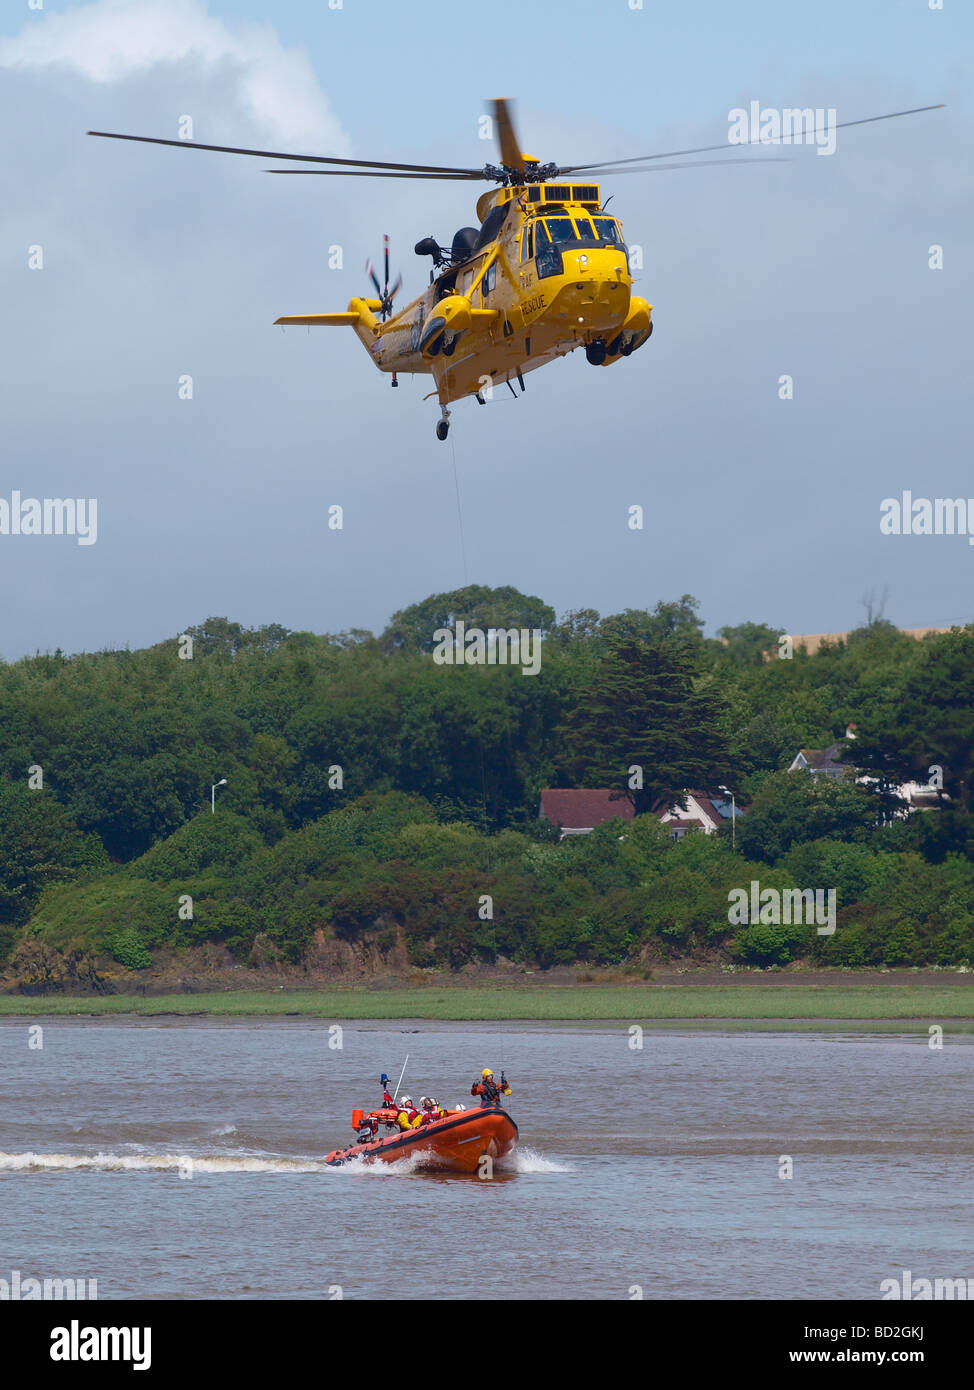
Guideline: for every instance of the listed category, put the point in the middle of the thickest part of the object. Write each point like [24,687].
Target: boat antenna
[401,1075]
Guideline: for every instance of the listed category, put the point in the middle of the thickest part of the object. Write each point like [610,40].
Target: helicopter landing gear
[595,352]
[443,425]
[634,341]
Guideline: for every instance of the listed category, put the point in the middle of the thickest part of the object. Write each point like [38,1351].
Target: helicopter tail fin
[361,313]
[315,320]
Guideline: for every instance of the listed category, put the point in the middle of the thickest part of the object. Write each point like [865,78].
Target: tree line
[375,797]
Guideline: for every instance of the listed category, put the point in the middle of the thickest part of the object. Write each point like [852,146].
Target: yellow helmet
[485,1073]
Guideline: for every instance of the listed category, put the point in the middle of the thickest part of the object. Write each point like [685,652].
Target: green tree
[678,618]
[923,730]
[749,644]
[647,708]
[39,844]
[412,628]
[792,807]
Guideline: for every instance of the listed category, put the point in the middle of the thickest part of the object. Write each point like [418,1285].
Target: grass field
[769,1005]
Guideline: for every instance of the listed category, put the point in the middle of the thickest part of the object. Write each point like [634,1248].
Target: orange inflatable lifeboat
[457,1141]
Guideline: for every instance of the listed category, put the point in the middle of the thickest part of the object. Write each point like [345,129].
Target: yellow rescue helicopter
[546,271]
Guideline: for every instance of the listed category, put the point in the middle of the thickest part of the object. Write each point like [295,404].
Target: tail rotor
[385,294]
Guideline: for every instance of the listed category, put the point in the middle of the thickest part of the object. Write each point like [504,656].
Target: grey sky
[159,263]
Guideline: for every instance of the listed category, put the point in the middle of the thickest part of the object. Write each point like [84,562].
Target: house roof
[710,807]
[576,808]
[714,809]
[823,758]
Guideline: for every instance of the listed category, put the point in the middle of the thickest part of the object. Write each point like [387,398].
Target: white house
[704,811]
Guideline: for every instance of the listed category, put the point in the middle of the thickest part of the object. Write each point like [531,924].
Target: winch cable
[456,485]
[480,741]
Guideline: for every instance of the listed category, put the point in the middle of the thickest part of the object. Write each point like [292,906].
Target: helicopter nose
[596,302]
[596,282]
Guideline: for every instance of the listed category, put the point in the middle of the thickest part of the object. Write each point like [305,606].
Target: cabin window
[561,229]
[527,243]
[585,228]
[607,229]
[547,260]
[489,280]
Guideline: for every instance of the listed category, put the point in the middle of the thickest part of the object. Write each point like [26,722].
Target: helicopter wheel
[442,429]
[595,352]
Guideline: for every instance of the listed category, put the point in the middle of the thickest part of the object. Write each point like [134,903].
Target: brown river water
[652,1170]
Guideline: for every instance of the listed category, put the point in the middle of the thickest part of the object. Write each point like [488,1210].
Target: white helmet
[434,1104]
[425,1102]
[404,1101]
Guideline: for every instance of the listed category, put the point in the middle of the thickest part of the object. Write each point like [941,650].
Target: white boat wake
[160,1163]
[522,1160]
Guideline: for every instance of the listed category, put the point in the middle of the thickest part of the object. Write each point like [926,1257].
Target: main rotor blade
[302,158]
[378,174]
[706,149]
[695,164]
[506,136]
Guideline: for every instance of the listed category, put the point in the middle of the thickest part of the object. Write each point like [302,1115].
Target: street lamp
[222,783]
[733,817]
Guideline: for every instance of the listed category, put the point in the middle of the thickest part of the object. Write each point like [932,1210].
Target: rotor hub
[529,173]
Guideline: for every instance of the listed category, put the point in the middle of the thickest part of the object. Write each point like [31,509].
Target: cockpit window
[583,228]
[547,260]
[607,229]
[561,229]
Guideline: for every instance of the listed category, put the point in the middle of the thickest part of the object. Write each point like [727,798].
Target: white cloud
[114,40]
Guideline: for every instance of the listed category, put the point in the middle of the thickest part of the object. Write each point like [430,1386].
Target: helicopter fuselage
[549,272]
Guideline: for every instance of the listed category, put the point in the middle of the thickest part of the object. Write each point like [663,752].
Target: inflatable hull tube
[457,1142]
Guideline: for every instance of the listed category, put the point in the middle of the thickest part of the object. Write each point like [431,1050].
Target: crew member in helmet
[431,1109]
[409,1117]
[488,1089]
